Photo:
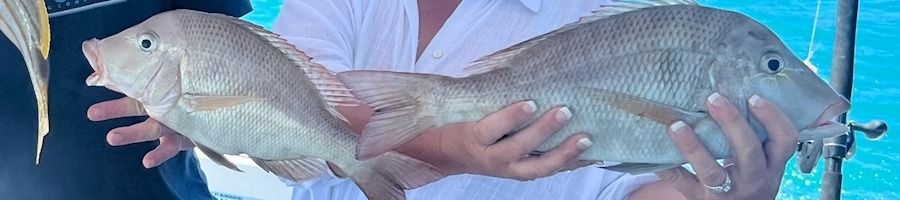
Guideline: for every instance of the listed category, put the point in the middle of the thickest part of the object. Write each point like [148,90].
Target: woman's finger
[683,181]
[528,139]
[708,170]
[169,146]
[782,136]
[744,142]
[123,107]
[494,126]
[147,130]
[533,167]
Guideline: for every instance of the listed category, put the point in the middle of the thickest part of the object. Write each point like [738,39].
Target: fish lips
[825,123]
[100,78]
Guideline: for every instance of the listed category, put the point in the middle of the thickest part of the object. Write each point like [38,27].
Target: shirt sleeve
[623,186]
[234,8]
[322,29]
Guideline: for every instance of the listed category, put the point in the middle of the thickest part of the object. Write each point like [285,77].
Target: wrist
[430,147]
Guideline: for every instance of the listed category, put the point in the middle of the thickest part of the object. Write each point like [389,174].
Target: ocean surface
[871,174]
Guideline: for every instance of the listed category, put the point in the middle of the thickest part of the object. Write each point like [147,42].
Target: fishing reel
[842,146]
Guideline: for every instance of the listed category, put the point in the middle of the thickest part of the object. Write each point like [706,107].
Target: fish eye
[147,42]
[772,63]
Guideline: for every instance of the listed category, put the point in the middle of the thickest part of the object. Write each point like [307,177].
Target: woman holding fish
[460,126]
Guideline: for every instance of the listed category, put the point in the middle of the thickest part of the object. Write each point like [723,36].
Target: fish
[235,88]
[627,71]
[26,24]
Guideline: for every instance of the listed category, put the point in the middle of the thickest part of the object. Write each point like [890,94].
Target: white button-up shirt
[383,35]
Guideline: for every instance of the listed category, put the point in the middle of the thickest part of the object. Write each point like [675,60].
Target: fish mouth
[89,48]
[825,126]
[91,51]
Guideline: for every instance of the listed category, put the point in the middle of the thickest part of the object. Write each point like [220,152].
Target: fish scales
[648,63]
[270,76]
[627,72]
[233,88]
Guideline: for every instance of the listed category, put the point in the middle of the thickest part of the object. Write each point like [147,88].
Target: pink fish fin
[659,112]
[640,168]
[499,60]
[403,106]
[197,103]
[297,170]
[388,175]
[336,170]
[615,7]
[503,58]
[217,157]
[331,90]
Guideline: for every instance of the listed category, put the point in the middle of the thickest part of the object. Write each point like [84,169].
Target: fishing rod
[837,149]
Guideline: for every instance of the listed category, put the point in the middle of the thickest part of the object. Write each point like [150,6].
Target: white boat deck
[253,183]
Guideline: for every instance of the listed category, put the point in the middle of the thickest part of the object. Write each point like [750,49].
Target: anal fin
[295,170]
[388,175]
[217,157]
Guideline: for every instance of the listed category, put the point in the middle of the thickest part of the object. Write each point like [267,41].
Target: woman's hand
[477,147]
[170,142]
[756,168]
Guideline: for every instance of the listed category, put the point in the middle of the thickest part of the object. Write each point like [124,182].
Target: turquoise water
[264,12]
[870,174]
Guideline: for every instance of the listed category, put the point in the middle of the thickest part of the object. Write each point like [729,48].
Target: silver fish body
[26,24]
[626,73]
[235,88]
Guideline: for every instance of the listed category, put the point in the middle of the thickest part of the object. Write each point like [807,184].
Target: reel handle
[874,130]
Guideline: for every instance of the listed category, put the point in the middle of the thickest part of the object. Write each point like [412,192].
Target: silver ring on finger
[721,188]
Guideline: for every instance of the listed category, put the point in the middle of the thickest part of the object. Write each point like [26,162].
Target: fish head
[142,62]
[761,64]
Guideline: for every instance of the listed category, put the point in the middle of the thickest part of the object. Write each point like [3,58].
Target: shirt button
[437,54]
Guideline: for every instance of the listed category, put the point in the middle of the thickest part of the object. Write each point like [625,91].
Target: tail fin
[386,176]
[401,102]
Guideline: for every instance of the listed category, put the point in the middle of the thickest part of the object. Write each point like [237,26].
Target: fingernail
[530,107]
[754,100]
[113,138]
[564,114]
[584,143]
[715,99]
[93,113]
[678,127]
[149,163]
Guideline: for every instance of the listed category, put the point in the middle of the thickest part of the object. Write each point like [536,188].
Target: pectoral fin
[662,113]
[196,103]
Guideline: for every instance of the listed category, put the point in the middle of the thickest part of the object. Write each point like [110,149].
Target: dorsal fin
[331,90]
[497,59]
